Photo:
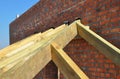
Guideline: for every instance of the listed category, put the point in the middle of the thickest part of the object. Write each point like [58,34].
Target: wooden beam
[20,45]
[69,69]
[23,64]
[58,74]
[27,67]
[109,50]
[12,61]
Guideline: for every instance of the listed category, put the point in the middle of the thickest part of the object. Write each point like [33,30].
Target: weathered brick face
[103,17]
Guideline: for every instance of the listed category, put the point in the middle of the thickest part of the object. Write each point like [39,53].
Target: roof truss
[27,57]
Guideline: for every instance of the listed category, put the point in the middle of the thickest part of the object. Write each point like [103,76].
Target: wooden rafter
[109,50]
[24,62]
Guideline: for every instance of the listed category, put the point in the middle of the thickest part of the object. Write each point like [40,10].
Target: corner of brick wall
[103,17]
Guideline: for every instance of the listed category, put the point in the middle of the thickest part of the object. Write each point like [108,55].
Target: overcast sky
[8,11]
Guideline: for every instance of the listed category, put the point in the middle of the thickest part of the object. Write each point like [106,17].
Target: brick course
[103,17]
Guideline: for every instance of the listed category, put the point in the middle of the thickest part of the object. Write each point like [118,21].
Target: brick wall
[103,17]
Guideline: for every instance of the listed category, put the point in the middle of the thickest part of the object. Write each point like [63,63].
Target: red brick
[115,19]
[103,12]
[115,30]
[111,70]
[105,31]
[106,65]
[103,22]
[92,69]
[118,77]
[100,70]
[107,75]
[102,74]
[115,9]
[112,66]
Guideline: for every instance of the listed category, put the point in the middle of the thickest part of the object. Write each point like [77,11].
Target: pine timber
[109,50]
[20,45]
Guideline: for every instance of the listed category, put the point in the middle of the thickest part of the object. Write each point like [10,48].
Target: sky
[8,11]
